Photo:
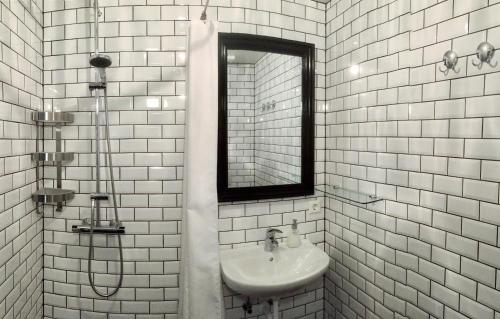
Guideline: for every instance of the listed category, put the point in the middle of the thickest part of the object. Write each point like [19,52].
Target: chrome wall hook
[450,60]
[485,52]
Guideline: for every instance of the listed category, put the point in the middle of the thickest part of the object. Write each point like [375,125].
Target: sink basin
[251,271]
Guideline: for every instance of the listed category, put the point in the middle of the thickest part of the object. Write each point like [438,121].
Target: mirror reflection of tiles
[264,116]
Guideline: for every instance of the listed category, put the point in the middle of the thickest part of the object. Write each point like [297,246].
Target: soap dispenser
[293,240]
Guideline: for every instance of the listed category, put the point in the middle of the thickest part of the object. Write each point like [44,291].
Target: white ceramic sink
[251,271]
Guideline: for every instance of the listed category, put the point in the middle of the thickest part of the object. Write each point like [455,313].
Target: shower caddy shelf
[52,157]
[56,195]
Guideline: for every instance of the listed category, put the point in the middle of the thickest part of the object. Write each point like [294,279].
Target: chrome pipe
[95,223]
[100,63]
[96,26]
[97,117]
[58,164]
[37,169]
[98,156]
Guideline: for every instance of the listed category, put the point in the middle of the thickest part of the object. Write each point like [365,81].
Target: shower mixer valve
[112,223]
[99,196]
[86,227]
[97,85]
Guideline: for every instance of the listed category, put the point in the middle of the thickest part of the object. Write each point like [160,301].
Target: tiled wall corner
[147,42]
[428,143]
[21,93]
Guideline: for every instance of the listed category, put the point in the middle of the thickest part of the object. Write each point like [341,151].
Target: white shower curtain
[200,295]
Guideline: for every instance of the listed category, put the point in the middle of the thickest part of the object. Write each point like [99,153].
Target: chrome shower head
[100,60]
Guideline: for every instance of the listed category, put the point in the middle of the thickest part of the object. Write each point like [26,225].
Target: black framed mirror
[266,118]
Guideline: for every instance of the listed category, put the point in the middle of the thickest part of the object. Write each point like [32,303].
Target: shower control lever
[99,196]
[97,85]
[114,223]
[86,229]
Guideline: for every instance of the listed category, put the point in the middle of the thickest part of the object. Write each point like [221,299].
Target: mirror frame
[238,41]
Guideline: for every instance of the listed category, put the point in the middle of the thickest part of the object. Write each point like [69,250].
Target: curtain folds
[200,286]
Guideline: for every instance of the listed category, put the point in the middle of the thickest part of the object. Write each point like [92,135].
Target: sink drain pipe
[247,306]
[273,309]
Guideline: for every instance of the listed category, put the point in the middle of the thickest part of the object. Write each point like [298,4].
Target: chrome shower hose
[115,208]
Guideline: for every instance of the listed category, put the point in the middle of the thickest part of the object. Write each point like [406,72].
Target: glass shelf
[353,196]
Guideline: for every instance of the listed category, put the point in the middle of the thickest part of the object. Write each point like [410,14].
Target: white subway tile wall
[278,114]
[21,237]
[393,125]
[241,124]
[428,143]
[147,41]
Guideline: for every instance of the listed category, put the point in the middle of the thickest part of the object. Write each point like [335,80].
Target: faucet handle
[270,232]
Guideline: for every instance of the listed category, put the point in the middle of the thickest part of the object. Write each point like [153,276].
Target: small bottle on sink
[293,240]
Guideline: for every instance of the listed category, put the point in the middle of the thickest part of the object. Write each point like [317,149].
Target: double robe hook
[450,60]
[485,52]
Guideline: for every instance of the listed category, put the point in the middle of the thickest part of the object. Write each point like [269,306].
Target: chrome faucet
[271,242]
